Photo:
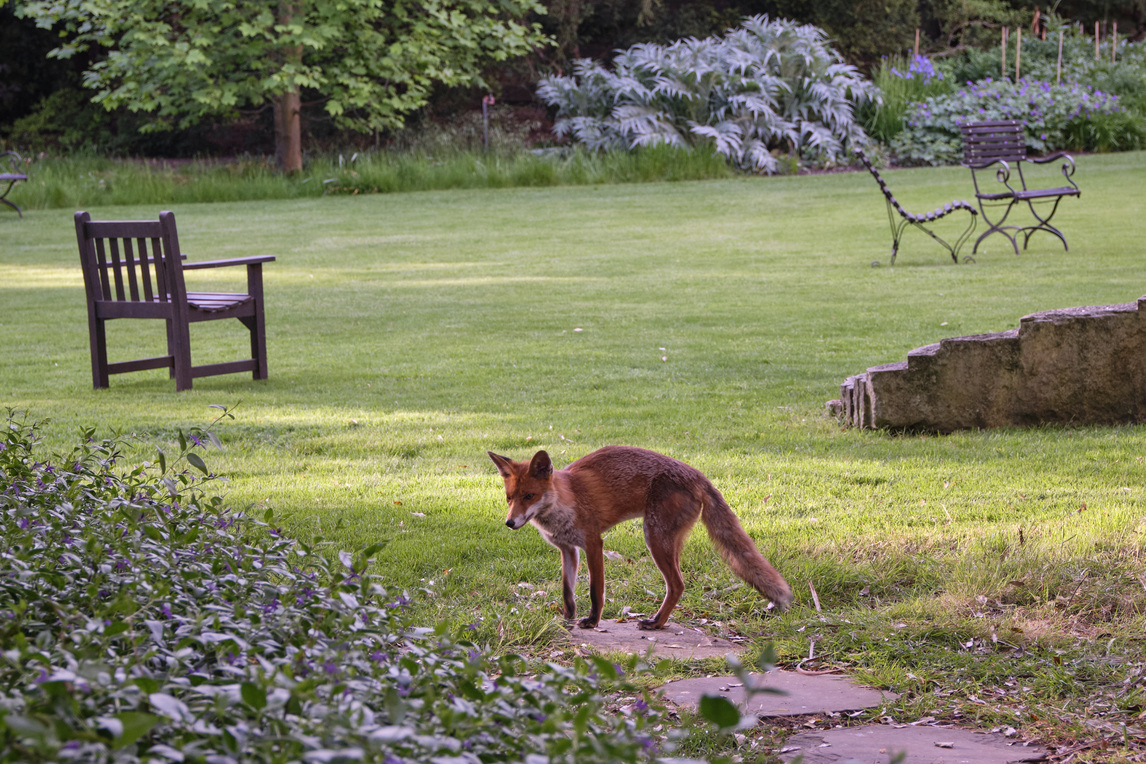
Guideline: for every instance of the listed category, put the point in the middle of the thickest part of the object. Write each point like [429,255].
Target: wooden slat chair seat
[895,210]
[11,177]
[1000,145]
[134,269]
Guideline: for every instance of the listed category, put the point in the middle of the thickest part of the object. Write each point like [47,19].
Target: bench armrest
[253,260]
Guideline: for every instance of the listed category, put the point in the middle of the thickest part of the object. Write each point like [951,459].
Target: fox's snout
[515,523]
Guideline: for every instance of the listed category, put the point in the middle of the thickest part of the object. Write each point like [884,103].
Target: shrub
[762,88]
[1050,112]
[144,620]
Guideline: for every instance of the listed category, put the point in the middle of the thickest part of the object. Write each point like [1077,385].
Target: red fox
[572,507]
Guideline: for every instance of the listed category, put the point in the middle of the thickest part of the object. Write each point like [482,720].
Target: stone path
[673,641]
[804,694]
[877,744]
[797,694]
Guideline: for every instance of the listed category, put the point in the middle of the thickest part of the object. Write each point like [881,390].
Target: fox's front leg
[595,559]
[570,560]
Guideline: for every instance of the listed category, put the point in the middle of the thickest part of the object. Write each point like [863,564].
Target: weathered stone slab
[802,694]
[877,744]
[673,641]
[1075,365]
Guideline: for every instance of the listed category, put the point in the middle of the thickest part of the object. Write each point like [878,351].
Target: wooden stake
[1096,41]
[1004,46]
[1018,52]
[1114,44]
[917,42]
[1058,66]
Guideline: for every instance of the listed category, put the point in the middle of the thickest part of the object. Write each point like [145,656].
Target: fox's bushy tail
[737,549]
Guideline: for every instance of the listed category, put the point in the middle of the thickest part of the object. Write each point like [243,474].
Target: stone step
[1074,365]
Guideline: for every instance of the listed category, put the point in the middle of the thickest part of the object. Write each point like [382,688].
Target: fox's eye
[527,496]
[509,498]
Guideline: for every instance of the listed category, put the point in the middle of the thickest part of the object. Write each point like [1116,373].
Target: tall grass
[78,181]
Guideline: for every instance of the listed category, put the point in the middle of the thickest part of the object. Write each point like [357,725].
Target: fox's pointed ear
[502,463]
[541,467]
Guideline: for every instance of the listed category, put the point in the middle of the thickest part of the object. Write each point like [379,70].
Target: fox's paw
[588,623]
[648,624]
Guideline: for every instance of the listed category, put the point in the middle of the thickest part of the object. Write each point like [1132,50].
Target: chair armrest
[253,260]
[1052,157]
[984,165]
[1067,164]
[1003,174]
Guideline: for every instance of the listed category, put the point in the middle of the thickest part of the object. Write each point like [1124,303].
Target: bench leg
[13,206]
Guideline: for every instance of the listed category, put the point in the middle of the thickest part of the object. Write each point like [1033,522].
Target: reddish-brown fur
[573,507]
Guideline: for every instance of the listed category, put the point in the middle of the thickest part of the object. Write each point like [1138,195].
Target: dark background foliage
[43,103]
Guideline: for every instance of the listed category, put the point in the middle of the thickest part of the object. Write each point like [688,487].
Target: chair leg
[997,227]
[257,323]
[181,355]
[257,327]
[171,347]
[13,206]
[1044,224]
[98,338]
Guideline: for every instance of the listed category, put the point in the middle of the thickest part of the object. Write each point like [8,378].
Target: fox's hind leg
[668,519]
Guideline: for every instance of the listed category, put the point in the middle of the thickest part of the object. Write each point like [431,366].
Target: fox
[574,506]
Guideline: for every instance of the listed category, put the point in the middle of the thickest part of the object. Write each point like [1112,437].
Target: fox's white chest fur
[557,522]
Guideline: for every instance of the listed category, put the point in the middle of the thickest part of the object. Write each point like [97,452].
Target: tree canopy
[368,63]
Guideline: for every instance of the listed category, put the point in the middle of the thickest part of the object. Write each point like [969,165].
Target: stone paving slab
[802,693]
[673,641]
[877,744]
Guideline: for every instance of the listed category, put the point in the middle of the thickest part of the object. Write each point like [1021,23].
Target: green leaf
[719,710]
[254,695]
[606,668]
[116,629]
[136,724]
[197,462]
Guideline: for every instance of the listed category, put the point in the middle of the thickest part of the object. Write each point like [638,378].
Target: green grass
[711,320]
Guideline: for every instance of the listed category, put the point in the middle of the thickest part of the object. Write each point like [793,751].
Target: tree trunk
[288,132]
[287,106]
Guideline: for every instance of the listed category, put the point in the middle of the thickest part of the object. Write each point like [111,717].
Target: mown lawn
[991,578]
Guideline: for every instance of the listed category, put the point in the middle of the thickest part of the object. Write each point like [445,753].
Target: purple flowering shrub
[143,620]
[920,69]
[901,82]
[1050,112]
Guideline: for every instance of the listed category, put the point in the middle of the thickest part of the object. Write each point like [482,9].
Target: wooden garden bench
[13,160]
[901,218]
[134,269]
[1003,143]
